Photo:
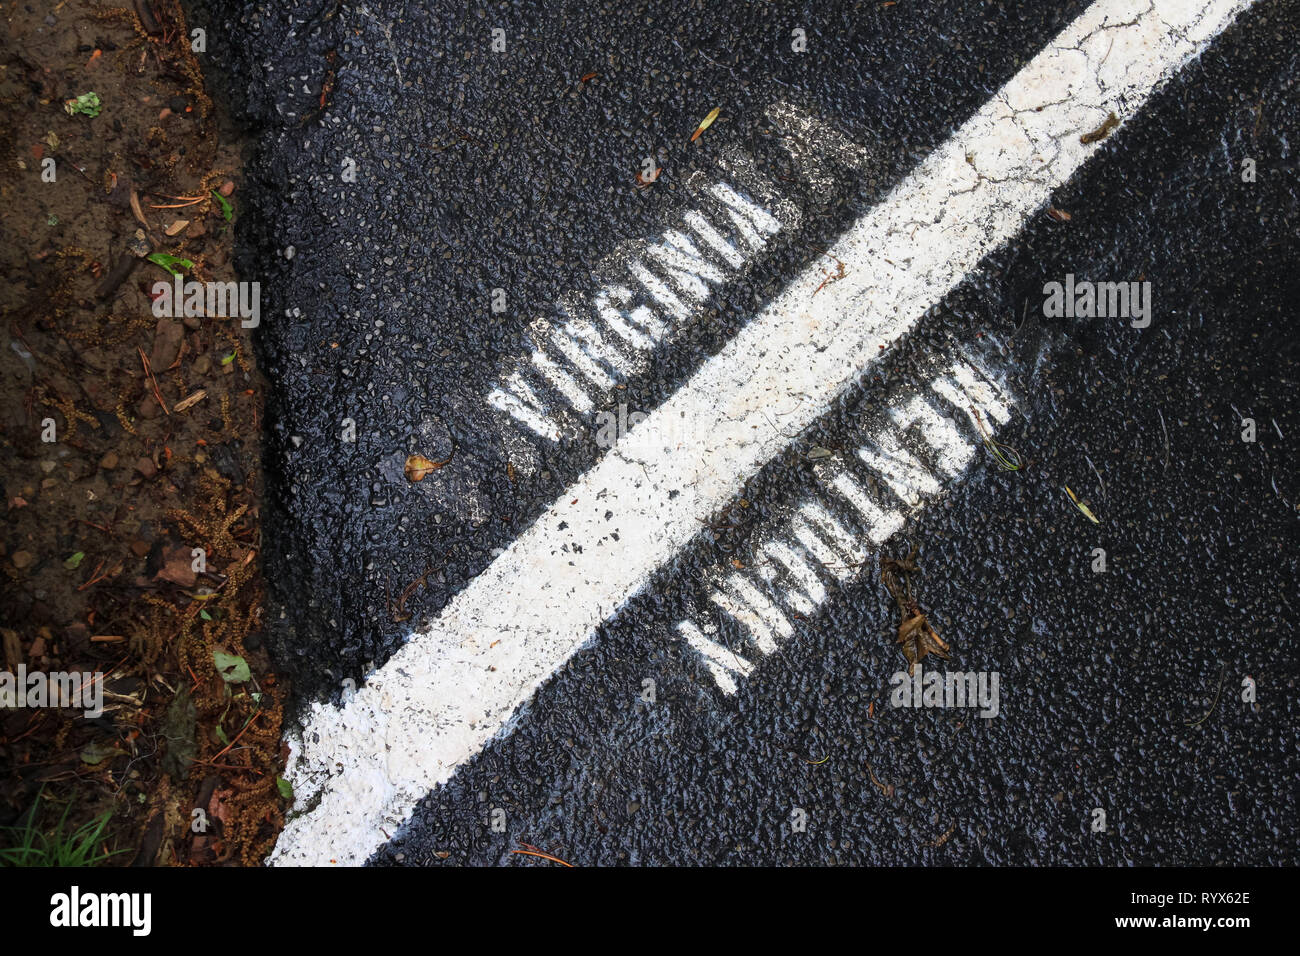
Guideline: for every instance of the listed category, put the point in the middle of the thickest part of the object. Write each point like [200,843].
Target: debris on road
[917,638]
[533,851]
[1087,512]
[644,179]
[886,788]
[1223,672]
[418,467]
[1101,132]
[935,844]
[1007,457]
[706,123]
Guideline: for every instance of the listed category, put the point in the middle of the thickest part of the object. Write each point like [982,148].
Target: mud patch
[131,449]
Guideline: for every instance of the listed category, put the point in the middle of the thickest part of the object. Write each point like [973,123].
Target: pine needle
[1006,456]
[1087,512]
[544,856]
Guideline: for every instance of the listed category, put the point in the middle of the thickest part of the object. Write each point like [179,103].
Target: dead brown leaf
[418,467]
[178,567]
[643,180]
[916,637]
[919,640]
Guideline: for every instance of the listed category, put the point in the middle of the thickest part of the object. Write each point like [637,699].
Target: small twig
[398,610]
[1024,314]
[840,270]
[1222,674]
[157,393]
[1166,434]
[96,576]
[32,727]
[833,566]
[701,53]
[943,839]
[73,163]
[256,714]
[886,789]
[1098,474]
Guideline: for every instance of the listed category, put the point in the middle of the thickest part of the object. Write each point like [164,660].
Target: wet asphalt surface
[481,170]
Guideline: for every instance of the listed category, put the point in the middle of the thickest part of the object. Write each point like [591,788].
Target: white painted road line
[361,768]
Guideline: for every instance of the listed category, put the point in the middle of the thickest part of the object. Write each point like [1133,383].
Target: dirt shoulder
[129,449]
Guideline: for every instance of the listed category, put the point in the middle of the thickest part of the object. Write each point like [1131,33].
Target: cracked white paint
[361,768]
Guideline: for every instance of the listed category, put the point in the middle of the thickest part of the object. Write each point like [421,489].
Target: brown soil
[155,450]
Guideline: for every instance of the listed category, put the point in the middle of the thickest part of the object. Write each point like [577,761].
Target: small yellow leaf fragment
[708,121]
[1087,512]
